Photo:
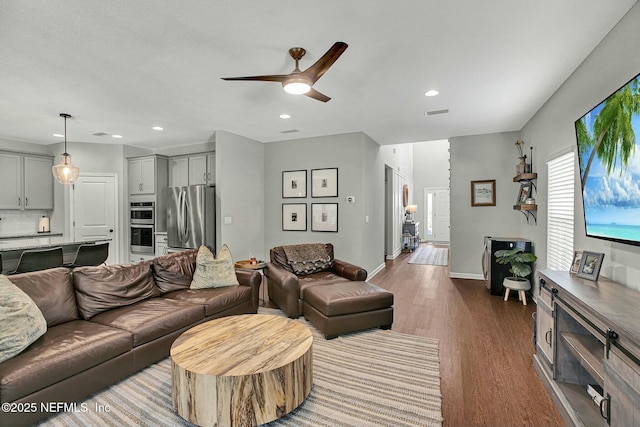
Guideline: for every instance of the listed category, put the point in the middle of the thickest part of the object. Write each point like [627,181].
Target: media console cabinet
[588,348]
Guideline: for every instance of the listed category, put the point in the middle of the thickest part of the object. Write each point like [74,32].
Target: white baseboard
[454,275]
[377,270]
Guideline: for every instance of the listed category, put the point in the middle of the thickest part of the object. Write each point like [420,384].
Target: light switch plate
[228,220]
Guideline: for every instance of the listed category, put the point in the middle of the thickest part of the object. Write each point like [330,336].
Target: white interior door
[437,227]
[95,207]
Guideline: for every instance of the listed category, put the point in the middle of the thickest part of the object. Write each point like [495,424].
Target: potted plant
[520,266]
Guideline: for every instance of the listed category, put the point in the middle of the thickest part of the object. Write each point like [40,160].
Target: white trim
[377,270]
[453,275]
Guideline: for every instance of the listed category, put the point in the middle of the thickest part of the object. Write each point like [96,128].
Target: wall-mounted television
[608,137]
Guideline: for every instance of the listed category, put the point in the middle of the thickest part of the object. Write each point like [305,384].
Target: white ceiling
[123,66]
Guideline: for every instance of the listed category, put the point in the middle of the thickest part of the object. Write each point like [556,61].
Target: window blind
[560,193]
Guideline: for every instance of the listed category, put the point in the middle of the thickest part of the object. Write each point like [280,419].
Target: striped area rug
[429,255]
[370,378]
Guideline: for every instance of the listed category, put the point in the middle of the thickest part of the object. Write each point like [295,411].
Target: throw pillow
[21,321]
[214,272]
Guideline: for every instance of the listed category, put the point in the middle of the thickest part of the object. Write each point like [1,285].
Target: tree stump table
[241,370]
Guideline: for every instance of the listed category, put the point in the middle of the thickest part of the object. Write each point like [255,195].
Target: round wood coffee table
[241,370]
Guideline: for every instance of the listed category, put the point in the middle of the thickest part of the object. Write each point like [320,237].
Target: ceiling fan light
[65,172]
[296,85]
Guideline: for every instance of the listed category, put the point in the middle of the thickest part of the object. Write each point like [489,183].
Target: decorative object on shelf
[294,184]
[575,265]
[520,262]
[324,182]
[65,172]
[43,224]
[521,167]
[294,217]
[408,213]
[324,217]
[524,193]
[483,193]
[590,265]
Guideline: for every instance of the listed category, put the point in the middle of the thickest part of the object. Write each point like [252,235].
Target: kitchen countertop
[42,242]
[30,235]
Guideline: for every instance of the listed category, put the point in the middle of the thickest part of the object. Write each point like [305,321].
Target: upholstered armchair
[294,268]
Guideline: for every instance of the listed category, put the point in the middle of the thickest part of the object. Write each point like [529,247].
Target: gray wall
[240,194]
[551,131]
[474,158]
[351,154]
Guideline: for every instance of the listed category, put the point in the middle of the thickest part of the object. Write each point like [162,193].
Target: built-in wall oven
[142,228]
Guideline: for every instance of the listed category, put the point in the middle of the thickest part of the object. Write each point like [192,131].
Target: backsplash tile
[20,222]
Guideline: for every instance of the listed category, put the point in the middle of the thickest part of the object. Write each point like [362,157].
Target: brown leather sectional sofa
[105,323]
[287,289]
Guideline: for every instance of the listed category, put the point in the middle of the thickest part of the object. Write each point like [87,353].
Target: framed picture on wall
[324,182]
[483,193]
[294,217]
[324,217]
[294,184]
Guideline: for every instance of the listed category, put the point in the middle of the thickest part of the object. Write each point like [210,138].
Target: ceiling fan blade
[317,95]
[270,78]
[321,66]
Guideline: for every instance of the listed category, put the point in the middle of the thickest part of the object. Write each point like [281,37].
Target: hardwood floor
[486,345]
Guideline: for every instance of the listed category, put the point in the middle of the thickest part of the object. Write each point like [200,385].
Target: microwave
[142,213]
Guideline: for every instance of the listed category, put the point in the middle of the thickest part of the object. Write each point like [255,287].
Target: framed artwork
[483,193]
[575,265]
[294,184]
[524,193]
[294,217]
[324,182]
[590,265]
[324,217]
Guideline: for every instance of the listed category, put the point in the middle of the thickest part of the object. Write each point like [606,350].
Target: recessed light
[158,128]
[431,92]
[285,116]
[57,135]
[116,136]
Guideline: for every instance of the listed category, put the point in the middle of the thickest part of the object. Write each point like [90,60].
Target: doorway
[94,211]
[437,215]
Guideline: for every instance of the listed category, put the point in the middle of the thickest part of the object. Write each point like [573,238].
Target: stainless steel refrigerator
[191,217]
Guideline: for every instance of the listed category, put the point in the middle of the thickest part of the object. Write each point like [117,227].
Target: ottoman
[347,306]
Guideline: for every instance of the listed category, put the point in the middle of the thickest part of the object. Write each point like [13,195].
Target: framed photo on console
[294,217]
[324,217]
[575,265]
[590,265]
[294,184]
[324,182]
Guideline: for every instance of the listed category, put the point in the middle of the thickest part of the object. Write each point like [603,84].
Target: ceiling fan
[301,82]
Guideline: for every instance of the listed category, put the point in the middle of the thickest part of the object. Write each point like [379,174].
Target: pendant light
[64,171]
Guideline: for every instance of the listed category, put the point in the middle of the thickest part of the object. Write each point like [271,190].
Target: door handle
[18,201]
[111,230]
[26,201]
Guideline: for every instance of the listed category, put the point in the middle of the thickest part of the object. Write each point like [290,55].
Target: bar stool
[39,259]
[90,254]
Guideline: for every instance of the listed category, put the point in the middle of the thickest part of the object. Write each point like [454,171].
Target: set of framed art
[324,216]
[587,264]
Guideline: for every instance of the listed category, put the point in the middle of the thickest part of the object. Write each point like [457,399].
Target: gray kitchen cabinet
[27,182]
[193,169]
[142,175]
[178,171]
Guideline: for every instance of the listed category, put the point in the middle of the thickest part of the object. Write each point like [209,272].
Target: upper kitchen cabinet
[27,182]
[195,169]
[145,174]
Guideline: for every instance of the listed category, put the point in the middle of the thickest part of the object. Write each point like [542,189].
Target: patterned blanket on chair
[308,258]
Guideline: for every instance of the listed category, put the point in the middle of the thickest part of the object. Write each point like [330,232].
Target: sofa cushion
[214,300]
[105,287]
[21,321]
[151,318]
[174,271]
[214,272]
[52,291]
[65,350]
